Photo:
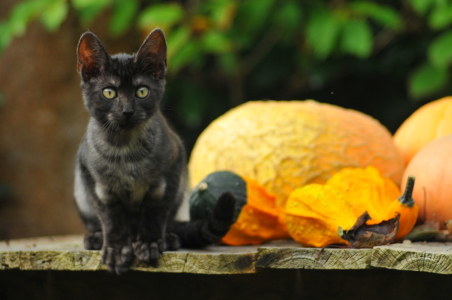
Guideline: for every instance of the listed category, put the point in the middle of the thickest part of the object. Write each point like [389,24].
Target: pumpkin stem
[406,198]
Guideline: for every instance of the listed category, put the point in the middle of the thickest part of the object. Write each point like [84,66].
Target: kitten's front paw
[117,257]
[149,252]
[93,240]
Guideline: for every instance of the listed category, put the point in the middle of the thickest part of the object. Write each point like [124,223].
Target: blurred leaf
[185,55]
[5,37]
[216,42]
[22,13]
[251,18]
[422,6]
[228,62]
[223,14]
[54,14]
[123,13]
[161,15]
[289,16]
[382,14]
[177,39]
[440,50]
[322,32]
[89,9]
[441,16]
[357,38]
[427,79]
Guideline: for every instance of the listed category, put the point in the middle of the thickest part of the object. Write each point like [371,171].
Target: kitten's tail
[200,233]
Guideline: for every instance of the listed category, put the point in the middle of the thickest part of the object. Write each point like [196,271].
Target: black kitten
[131,173]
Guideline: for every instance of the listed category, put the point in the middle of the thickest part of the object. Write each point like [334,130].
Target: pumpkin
[429,122]
[284,145]
[368,191]
[256,218]
[315,213]
[433,191]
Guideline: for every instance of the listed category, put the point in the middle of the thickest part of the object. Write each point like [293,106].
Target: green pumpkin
[205,195]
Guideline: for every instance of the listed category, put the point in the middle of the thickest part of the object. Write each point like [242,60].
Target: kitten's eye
[142,92]
[109,93]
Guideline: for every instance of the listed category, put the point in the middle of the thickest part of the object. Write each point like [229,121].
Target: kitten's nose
[128,113]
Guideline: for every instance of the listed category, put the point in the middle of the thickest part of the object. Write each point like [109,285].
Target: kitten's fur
[131,174]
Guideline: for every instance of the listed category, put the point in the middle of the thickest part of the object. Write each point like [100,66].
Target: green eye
[109,93]
[142,92]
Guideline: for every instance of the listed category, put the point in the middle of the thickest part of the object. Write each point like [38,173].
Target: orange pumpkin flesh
[433,190]
[429,122]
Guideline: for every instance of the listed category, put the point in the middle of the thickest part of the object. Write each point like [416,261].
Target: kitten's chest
[129,174]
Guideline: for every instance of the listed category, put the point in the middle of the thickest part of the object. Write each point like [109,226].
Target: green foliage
[427,79]
[322,32]
[439,51]
[122,16]
[242,50]
[161,15]
[357,38]
[384,15]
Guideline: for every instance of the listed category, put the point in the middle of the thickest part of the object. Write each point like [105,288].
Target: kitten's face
[122,91]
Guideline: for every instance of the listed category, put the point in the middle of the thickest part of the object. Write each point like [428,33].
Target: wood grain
[67,253]
[421,257]
[313,258]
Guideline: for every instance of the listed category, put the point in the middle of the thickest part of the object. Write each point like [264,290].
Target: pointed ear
[152,54]
[92,58]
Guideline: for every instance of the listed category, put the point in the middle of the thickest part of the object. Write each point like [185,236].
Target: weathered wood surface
[422,257]
[313,258]
[67,253]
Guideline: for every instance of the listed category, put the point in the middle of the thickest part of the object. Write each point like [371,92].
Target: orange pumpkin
[429,122]
[288,144]
[315,212]
[433,190]
[367,190]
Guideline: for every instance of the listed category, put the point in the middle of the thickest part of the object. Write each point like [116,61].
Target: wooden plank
[421,257]
[67,253]
[292,256]
[222,260]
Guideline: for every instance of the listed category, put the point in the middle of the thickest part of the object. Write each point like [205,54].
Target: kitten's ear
[152,54]
[91,55]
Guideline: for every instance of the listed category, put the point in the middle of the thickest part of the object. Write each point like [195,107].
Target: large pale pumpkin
[432,167]
[429,122]
[287,144]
